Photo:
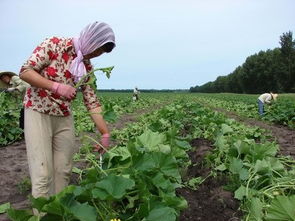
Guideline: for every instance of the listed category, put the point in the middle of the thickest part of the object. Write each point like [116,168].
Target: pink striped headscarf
[92,37]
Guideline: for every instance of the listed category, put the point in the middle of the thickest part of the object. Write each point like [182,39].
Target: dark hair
[108,47]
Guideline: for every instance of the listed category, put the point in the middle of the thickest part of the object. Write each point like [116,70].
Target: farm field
[175,156]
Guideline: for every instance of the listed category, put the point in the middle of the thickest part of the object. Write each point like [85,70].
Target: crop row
[137,179]
[281,112]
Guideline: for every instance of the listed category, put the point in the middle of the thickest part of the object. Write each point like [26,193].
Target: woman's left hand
[105,140]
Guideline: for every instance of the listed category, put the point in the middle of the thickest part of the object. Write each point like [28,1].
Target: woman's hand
[64,90]
[105,142]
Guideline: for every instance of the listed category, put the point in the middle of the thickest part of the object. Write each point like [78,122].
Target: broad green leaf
[178,153]
[19,215]
[106,70]
[68,189]
[225,129]
[236,165]
[80,211]
[4,207]
[151,140]
[183,144]
[195,182]
[276,164]
[260,151]
[110,116]
[100,194]
[158,161]
[160,181]
[242,147]
[256,207]
[117,154]
[221,167]
[166,164]
[221,142]
[34,218]
[281,208]
[240,192]
[39,202]
[262,166]
[164,148]
[176,202]
[144,162]
[115,186]
[161,214]
[244,174]
[54,207]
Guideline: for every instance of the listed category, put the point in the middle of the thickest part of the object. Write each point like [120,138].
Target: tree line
[270,70]
[145,90]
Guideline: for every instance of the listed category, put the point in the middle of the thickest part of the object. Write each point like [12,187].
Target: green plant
[24,185]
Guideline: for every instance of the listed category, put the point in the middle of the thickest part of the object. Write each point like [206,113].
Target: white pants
[50,148]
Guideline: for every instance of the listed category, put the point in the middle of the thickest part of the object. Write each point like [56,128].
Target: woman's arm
[36,80]
[98,120]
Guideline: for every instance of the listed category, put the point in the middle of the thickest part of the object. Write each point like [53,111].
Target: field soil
[209,202]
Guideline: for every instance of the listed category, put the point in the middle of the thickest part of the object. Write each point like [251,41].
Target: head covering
[2,83]
[274,96]
[92,37]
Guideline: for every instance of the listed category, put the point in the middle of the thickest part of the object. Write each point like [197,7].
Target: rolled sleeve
[89,97]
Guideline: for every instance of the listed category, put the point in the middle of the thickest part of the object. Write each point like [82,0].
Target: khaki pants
[50,147]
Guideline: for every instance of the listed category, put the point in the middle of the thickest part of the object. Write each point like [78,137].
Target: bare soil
[209,202]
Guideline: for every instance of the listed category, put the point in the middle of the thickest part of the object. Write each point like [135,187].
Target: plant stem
[98,211]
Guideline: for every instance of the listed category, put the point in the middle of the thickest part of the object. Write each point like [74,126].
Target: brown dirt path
[209,202]
[14,167]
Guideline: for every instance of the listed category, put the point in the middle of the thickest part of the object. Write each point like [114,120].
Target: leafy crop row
[137,179]
[9,120]
[261,179]
[280,112]
[134,181]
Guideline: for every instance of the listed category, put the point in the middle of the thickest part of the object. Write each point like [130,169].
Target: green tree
[288,57]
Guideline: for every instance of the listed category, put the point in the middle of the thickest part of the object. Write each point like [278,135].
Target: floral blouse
[52,59]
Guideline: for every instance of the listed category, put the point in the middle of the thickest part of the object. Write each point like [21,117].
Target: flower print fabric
[52,59]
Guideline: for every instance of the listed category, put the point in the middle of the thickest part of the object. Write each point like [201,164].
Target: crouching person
[263,99]
[14,84]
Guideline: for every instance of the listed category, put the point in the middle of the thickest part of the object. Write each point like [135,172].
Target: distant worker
[13,84]
[135,94]
[265,98]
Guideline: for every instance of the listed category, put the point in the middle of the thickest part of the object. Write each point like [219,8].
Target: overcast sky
[161,44]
